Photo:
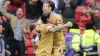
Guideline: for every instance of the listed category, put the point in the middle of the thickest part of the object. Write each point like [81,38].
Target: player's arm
[60,24]
[59,27]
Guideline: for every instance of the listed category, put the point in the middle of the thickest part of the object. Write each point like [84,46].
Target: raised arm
[4,10]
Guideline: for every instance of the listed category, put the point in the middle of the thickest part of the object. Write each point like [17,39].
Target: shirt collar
[22,20]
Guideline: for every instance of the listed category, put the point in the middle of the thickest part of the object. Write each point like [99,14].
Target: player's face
[46,8]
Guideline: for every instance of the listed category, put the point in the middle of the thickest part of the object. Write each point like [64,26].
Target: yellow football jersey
[59,41]
[45,43]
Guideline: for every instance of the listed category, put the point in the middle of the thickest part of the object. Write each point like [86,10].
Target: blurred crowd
[58,28]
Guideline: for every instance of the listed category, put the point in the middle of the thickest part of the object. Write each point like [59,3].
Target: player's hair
[20,8]
[51,4]
[44,18]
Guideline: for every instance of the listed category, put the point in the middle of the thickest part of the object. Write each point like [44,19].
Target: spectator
[96,20]
[61,5]
[34,9]
[80,45]
[81,2]
[84,19]
[3,51]
[56,6]
[20,26]
[14,4]
[92,4]
[67,9]
[8,32]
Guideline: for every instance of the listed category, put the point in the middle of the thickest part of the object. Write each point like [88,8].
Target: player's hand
[69,24]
